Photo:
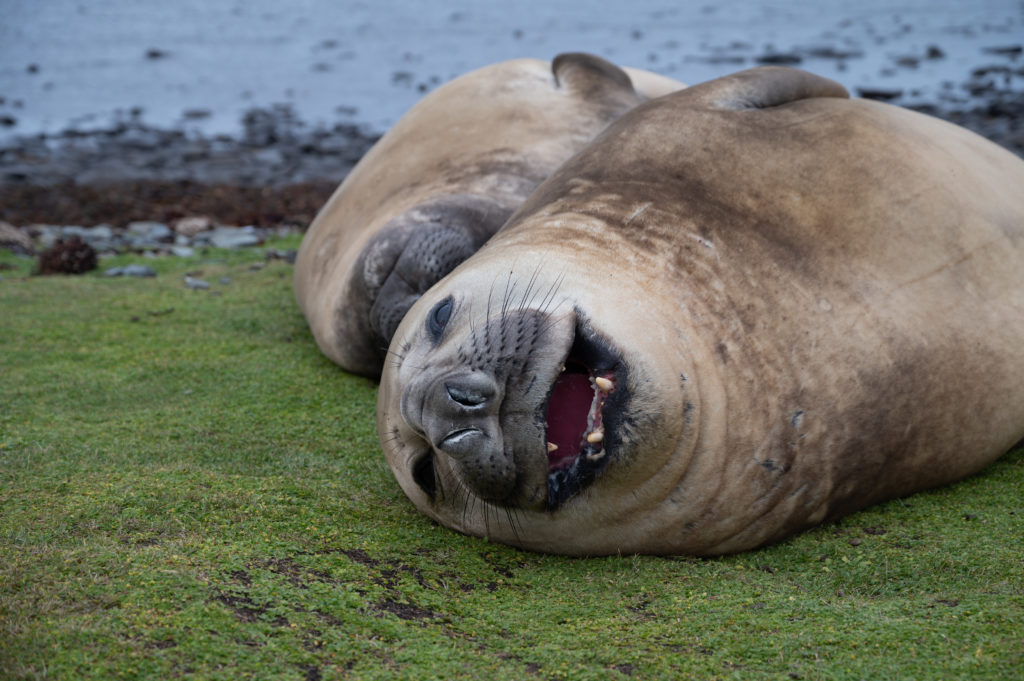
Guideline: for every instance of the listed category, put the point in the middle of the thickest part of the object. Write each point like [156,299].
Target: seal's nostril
[472,390]
[467,397]
[457,437]
[469,444]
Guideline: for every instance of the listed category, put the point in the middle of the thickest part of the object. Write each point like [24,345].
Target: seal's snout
[475,391]
[460,419]
[476,397]
[466,406]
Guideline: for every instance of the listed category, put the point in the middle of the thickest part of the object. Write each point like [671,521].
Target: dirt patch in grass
[405,611]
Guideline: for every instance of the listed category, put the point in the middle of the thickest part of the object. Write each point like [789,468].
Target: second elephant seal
[440,183]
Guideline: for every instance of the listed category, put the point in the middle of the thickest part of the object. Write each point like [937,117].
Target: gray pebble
[230,237]
[139,271]
[131,271]
[153,230]
[196,283]
[147,234]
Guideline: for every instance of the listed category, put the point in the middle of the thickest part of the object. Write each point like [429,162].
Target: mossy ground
[188,488]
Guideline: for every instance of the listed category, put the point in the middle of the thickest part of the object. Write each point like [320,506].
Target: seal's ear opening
[595,80]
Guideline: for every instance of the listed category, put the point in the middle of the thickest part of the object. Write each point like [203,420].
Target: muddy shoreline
[278,172]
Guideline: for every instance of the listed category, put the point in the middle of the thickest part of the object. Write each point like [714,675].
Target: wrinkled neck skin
[631,507]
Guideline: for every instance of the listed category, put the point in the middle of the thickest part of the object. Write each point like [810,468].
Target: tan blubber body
[440,183]
[805,305]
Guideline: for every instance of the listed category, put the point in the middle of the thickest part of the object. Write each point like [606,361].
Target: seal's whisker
[549,298]
[396,358]
[400,362]
[458,312]
[472,507]
[452,488]
[518,513]
[526,291]
[528,294]
[511,516]
[553,290]
[552,321]
[554,309]
[449,484]
[469,314]
[490,295]
[510,288]
[467,500]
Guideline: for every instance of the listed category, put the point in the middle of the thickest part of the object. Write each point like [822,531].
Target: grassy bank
[188,489]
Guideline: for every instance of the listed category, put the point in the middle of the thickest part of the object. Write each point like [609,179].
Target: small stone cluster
[73,249]
[275,148]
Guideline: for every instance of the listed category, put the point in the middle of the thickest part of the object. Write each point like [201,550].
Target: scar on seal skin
[745,308]
[442,182]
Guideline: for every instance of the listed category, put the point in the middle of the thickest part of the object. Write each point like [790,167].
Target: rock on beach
[15,239]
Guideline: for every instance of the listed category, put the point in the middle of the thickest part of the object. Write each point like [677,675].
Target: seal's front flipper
[411,253]
[761,88]
[596,81]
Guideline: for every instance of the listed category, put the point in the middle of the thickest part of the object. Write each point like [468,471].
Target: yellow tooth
[603,384]
[595,437]
[595,456]
[552,447]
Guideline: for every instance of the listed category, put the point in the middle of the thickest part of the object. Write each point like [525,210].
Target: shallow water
[199,64]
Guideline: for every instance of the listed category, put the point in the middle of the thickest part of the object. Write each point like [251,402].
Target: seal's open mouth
[582,413]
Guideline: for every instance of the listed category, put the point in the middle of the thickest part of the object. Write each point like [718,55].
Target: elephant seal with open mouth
[440,183]
[745,308]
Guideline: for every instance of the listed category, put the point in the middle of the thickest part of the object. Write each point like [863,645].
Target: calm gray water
[199,64]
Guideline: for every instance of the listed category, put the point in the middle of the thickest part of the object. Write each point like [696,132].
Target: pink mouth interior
[567,417]
[574,408]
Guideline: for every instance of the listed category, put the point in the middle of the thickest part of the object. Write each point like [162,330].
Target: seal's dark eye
[438,319]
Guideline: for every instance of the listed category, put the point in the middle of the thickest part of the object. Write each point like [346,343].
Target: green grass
[189,489]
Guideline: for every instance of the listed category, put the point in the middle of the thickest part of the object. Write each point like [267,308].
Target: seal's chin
[583,413]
